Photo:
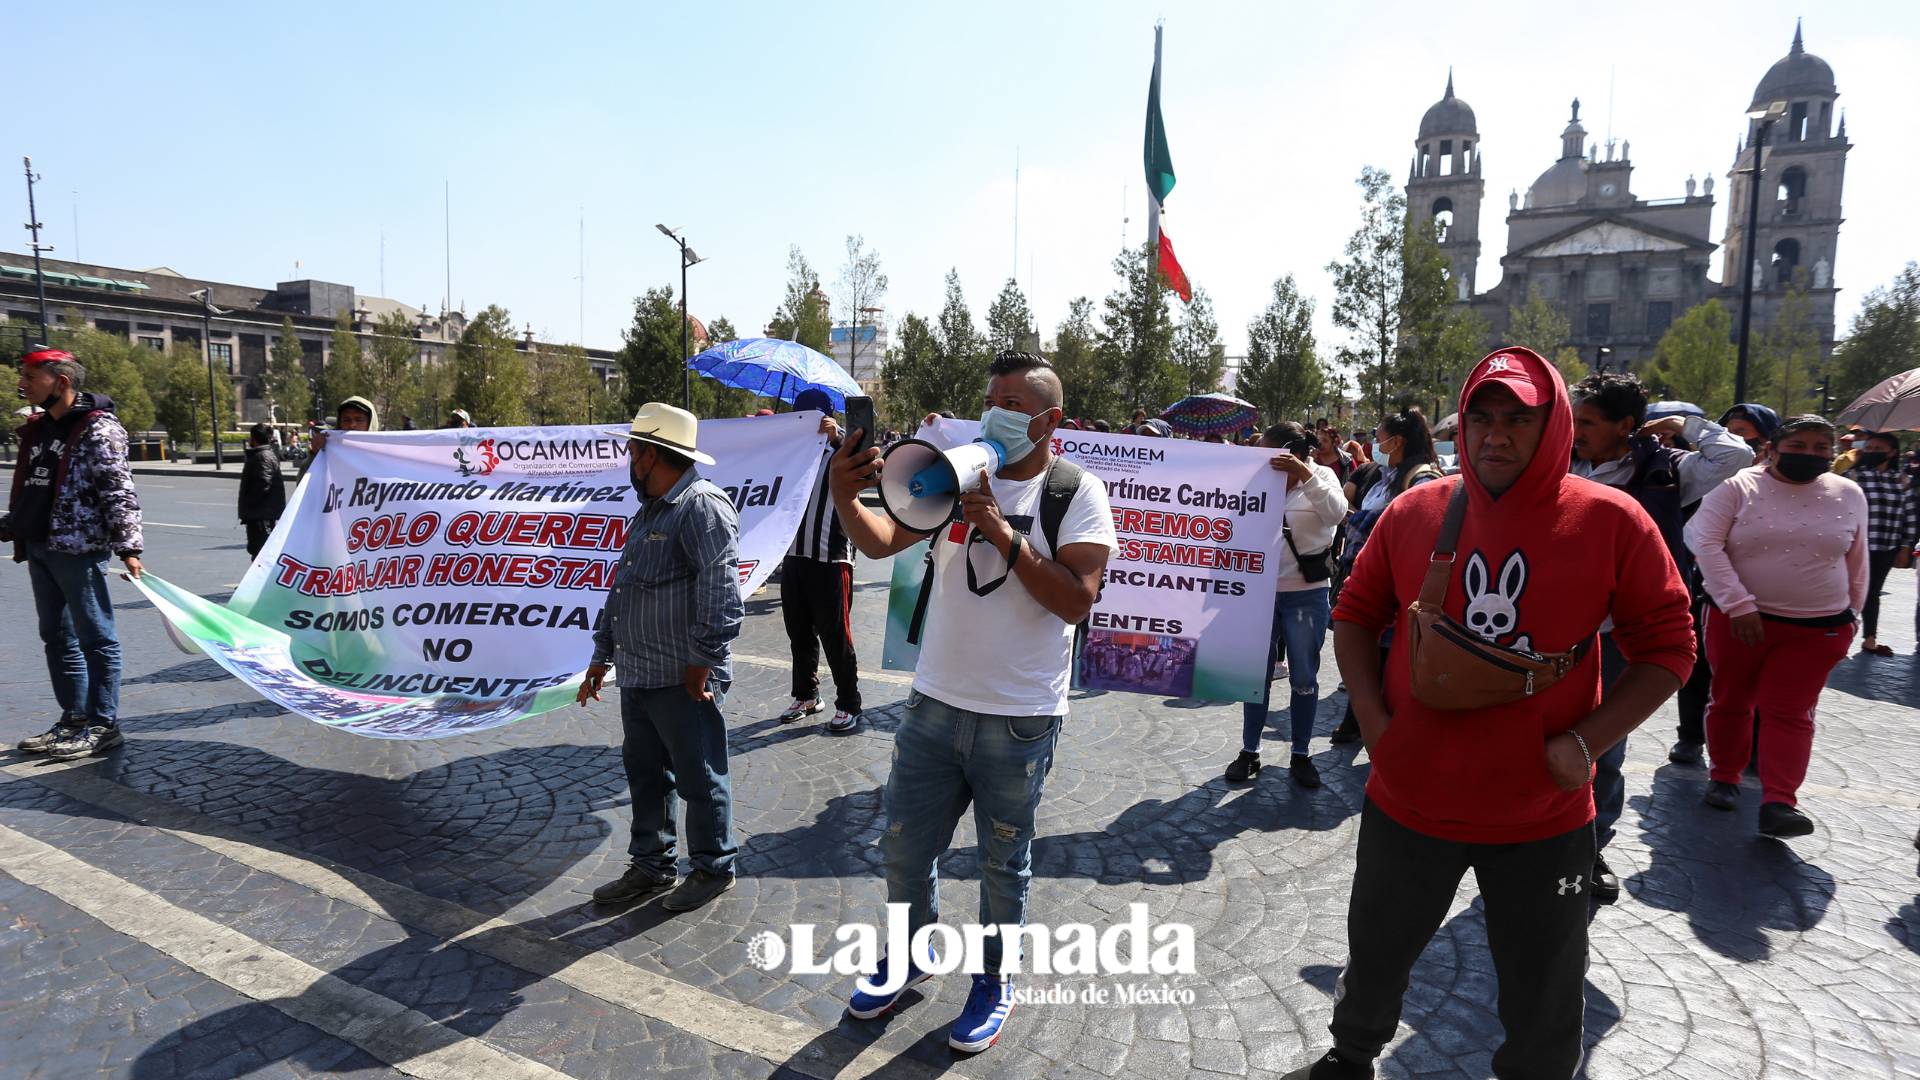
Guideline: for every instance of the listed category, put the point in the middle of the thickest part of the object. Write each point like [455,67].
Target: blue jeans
[943,759]
[1300,622]
[76,626]
[676,744]
[1609,787]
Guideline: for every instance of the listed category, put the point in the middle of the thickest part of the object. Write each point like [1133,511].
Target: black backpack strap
[1063,482]
[919,620]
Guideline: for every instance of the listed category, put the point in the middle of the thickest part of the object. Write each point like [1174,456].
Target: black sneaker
[1331,1066]
[1244,768]
[699,888]
[1606,884]
[1347,732]
[1722,795]
[1780,820]
[632,885]
[1685,752]
[1303,771]
[92,742]
[43,742]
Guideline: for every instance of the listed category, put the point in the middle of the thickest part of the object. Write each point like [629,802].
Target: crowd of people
[1507,603]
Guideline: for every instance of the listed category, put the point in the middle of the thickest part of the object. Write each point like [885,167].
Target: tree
[1090,391]
[802,315]
[1281,376]
[650,359]
[1010,324]
[345,374]
[1369,284]
[490,378]
[1197,352]
[1883,341]
[177,379]
[916,381]
[863,286]
[1432,331]
[1572,368]
[111,370]
[960,352]
[1695,358]
[285,380]
[1460,344]
[562,383]
[1136,334]
[1538,325]
[394,367]
[712,399]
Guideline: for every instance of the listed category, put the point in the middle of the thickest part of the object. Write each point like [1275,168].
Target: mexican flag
[1160,183]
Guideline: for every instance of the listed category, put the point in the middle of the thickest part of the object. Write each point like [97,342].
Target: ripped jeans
[943,759]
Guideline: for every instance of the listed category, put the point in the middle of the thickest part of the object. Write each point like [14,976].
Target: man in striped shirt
[816,595]
[1893,520]
[668,628]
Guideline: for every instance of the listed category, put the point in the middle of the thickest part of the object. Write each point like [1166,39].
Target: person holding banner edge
[816,595]
[668,630]
[990,692]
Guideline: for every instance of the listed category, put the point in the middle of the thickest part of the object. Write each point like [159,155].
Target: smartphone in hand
[860,418]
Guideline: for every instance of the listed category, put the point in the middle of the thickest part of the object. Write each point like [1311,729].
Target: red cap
[1514,373]
[46,356]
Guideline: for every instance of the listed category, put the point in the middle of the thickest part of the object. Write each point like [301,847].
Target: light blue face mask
[1380,457]
[1443,449]
[1007,429]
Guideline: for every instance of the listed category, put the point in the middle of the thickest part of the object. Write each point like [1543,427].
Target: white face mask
[1009,430]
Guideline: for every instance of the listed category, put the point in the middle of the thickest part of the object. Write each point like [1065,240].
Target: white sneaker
[843,722]
[800,707]
[1279,670]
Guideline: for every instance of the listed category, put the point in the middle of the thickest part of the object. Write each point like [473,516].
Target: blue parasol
[774,368]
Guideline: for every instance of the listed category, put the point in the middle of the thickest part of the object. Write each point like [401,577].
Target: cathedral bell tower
[1445,186]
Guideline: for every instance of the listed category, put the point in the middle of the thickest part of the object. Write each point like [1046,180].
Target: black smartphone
[860,418]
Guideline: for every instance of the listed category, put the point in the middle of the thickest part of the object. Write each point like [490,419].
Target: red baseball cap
[46,356]
[1520,370]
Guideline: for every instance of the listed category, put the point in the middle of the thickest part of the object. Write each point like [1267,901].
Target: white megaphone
[920,484]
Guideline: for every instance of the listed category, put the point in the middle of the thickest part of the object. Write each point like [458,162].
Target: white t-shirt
[1002,653]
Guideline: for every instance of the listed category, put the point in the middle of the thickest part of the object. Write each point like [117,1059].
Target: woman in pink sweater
[1783,551]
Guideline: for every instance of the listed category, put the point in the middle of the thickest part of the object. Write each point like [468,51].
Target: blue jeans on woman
[1300,622]
[943,759]
[76,626]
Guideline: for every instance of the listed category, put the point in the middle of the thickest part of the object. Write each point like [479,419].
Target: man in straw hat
[669,624]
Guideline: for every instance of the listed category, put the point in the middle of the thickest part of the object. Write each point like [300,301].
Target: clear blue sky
[229,141]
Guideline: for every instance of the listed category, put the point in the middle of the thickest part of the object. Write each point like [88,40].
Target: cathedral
[1621,268]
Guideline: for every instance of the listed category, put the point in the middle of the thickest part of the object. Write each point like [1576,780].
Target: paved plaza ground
[241,892]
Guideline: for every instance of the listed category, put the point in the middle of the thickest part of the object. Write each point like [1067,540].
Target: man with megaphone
[1020,541]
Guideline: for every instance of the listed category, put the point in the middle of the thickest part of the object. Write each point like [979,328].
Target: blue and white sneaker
[988,1006]
[866,1004]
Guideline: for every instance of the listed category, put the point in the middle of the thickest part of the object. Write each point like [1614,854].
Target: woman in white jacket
[1315,508]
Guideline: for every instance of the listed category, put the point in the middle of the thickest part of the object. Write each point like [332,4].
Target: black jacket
[263,491]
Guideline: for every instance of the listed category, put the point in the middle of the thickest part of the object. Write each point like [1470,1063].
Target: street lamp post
[33,227]
[687,258]
[1749,252]
[1601,354]
[207,312]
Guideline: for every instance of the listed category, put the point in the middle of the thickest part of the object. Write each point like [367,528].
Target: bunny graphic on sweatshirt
[1493,610]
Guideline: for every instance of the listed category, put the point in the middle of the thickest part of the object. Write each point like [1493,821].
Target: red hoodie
[1547,562]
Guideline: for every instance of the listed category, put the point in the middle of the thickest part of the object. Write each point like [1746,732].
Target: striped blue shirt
[675,602]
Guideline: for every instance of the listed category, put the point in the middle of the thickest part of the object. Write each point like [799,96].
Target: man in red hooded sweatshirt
[1542,560]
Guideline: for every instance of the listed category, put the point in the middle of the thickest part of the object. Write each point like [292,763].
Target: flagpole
[1153,197]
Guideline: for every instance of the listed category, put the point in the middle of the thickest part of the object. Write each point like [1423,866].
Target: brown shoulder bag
[1455,668]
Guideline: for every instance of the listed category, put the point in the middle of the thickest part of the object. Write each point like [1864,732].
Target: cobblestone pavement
[243,892]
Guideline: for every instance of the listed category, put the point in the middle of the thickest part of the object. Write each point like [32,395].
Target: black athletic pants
[816,600]
[1536,902]
[257,533]
[1879,566]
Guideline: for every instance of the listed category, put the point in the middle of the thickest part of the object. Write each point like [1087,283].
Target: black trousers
[1879,565]
[1536,902]
[1699,686]
[816,601]
[257,533]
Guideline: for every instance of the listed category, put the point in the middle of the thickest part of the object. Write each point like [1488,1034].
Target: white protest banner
[1187,606]
[424,583]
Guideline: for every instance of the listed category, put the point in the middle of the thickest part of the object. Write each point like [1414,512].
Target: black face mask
[1800,468]
[1871,459]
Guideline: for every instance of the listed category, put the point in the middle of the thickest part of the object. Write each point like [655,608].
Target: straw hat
[664,425]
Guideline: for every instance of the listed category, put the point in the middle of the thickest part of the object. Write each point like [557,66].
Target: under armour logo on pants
[1571,884]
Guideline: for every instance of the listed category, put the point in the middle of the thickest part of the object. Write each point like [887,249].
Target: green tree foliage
[490,376]
[1091,392]
[1369,286]
[110,363]
[177,380]
[285,380]
[1010,322]
[803,315]
[1694,360]
[1884,339]
[1428,360]
[1136,334]
[562,384]
[1572,368]
[432,408]
[1460,344]
[346,374]
[651,364]
[1281,375]
[1197,351]
[918,378]
[1784,363]
[1538,325]
[393,368]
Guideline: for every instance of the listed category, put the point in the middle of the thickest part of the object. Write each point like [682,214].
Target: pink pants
[1781,679]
